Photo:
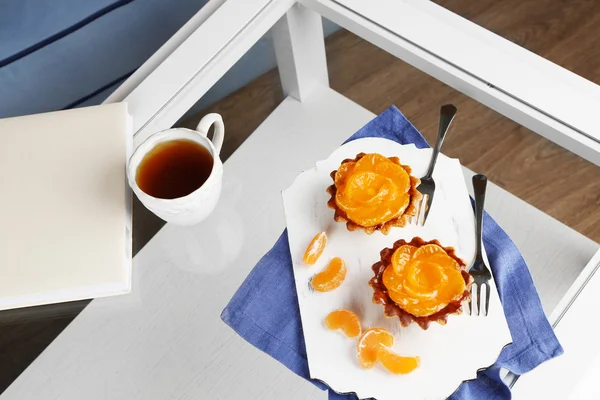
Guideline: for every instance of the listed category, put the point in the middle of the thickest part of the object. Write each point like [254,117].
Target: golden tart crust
[392,309]
[414,197]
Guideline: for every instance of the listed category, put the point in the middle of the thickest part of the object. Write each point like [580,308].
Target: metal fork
[427,186]
[480,272]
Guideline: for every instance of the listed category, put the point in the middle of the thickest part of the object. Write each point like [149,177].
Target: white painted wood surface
[165,340]
[529,89]
[180,80]
[574,375]
[300,50]
[164,51]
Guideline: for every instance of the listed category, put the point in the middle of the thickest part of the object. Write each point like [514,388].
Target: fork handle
[447,113]
[479,187]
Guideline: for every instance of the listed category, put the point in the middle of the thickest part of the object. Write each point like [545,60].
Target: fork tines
[419,218]
[477,287]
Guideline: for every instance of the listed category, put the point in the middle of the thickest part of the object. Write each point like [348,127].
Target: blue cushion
[80,48]
[27,23]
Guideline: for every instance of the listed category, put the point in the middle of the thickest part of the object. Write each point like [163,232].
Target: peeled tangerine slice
[331,277]
[373,346]
[402,256]
[315,248]
[369,343]
[395,363]
[344,320]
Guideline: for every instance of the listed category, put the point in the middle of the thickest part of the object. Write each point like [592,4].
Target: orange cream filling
[423,280]
[372,190]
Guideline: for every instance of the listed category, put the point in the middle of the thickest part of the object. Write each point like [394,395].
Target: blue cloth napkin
[265,312]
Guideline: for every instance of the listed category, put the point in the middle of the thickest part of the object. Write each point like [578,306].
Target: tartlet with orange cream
[373,192]
[421,282]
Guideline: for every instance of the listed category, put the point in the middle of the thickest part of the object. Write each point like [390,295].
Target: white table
[165,340]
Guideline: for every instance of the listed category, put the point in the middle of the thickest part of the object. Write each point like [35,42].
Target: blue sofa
[60,54]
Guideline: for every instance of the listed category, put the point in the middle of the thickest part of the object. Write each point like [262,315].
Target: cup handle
[219,135]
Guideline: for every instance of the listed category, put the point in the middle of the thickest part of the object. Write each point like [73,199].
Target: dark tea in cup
[177,173]
[174,168]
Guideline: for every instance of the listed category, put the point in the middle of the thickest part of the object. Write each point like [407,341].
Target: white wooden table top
[574,375]
[166,341]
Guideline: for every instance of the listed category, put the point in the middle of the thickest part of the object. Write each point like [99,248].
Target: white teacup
[196,206]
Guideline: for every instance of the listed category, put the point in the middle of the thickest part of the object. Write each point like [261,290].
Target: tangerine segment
[315,248]
[331,277]
[429,249]
[369,343]
[372,190]
[383,166]
[423,281]
[344,320]
[395,363]
[369,161]
[402,256]
[343,172]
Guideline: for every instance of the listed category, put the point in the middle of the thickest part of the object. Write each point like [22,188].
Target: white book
[65,208]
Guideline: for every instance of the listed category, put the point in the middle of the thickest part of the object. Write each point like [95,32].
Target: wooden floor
[543,174]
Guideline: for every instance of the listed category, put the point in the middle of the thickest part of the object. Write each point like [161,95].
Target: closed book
[65,227]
